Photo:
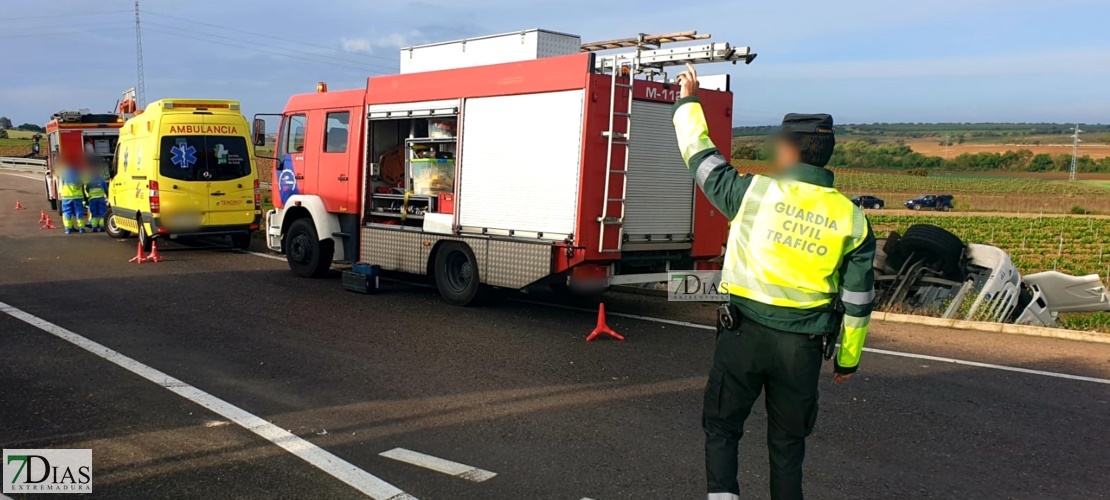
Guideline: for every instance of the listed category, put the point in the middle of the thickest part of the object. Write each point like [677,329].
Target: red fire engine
[503,161]
[79,139]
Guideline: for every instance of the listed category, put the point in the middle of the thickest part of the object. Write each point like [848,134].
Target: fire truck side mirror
[258,132]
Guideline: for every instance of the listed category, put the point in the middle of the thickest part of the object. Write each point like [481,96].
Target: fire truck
[503,161]
[79,139]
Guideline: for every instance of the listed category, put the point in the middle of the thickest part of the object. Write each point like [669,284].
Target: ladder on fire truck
[648,59]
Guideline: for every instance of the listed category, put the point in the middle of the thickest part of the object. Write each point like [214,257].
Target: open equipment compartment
[411,162]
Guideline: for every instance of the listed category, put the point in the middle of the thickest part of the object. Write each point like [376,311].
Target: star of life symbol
[184,155]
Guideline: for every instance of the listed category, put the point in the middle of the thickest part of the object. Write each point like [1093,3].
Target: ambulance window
[182,157]
[227,158]
[335,132]
[294,135]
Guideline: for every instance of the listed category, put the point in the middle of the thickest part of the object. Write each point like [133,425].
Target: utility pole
[1075,153]
[140,89]
[947,142]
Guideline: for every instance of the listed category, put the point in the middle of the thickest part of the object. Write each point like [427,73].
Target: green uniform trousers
[746,361]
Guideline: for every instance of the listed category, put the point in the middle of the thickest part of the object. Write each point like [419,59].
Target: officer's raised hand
[688,80]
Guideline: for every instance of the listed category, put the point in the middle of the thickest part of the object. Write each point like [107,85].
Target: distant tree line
[6,124]
[868,154]
[922,130]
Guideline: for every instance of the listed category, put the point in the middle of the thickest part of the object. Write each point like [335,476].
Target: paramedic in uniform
[796,249]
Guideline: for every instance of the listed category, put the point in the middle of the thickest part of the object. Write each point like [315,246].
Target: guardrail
[23,164]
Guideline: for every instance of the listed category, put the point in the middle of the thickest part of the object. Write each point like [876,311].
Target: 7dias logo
[695,286]
[47,471]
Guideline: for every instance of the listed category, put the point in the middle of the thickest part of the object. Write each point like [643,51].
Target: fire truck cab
[79,139]
[502,161]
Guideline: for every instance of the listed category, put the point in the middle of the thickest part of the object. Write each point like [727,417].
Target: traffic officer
[97,191]
[797,268]
[73,201]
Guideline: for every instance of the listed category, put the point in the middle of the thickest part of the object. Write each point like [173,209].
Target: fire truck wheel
[113,230]
[308,257]
[456,273]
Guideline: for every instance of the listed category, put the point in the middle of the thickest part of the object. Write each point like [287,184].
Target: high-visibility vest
[72,188]
[787,241]
[95,188]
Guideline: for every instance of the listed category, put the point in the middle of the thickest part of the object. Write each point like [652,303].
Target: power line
[55,16]
[360,65]
[237,30]
[227,44]
[62,33]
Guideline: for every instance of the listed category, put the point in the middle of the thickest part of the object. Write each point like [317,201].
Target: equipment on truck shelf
[505,160]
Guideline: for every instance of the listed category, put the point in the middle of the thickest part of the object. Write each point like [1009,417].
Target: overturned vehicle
[929,271]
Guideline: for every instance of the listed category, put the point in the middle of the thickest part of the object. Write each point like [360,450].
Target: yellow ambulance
[185,168]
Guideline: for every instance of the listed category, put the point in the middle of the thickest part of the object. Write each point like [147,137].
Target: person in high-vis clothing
[797,271]
[73,201]
[96,189]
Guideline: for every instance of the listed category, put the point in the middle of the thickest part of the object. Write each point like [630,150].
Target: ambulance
[184,168]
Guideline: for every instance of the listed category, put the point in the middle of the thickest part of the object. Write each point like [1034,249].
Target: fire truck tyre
[456,273]
[942,245]
[308,257]
[241,241]
[144,239]
[111,229]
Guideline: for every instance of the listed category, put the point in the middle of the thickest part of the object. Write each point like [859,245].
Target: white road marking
[264,255]
[5,497]
[25,176]
[342,470]
[865,349]
[439,465]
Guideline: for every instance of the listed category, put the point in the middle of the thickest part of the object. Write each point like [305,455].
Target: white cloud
[368,45]
[358,45]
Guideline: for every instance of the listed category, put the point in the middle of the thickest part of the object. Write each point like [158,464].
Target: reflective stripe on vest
[787,241]
[72,192]
[96,191]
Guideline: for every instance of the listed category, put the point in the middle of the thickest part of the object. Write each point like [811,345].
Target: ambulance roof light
[321,87]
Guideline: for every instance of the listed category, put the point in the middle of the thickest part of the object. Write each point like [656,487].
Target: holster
[838,325]
[728,318]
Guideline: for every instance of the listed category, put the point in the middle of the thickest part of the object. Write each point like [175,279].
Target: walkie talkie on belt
[838,325]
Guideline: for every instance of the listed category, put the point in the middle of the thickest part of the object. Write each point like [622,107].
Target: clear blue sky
[861,60]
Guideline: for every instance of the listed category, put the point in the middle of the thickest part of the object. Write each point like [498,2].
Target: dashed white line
[263,255]
[700,326]
[338,468]
[437,464]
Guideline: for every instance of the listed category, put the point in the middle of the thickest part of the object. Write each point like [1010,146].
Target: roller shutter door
[660,194]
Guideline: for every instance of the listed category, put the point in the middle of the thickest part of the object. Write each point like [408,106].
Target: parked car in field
[933,201]
[868,201]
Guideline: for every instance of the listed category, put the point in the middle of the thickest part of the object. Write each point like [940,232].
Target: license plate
[184,221]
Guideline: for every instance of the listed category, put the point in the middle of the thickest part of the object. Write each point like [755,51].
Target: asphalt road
[510,388]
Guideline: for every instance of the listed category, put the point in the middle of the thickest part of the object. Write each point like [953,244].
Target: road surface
[218,374]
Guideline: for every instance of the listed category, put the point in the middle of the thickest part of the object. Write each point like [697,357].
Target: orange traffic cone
[154,256]
[138,258]
[46,224]
[18,205]
[42,216]
[602,327]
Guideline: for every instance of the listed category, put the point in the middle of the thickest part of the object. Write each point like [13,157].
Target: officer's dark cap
[797,123]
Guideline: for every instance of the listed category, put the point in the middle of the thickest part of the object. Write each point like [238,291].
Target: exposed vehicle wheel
[144,239]
[876,206]
[946,208]
[111,228]
[940,247]
[241,241]
[308,257]
[917,206]
[456,273]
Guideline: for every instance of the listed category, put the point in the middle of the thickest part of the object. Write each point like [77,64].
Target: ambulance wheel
[112,229]
[456,273]
[308,257]
[144,239]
